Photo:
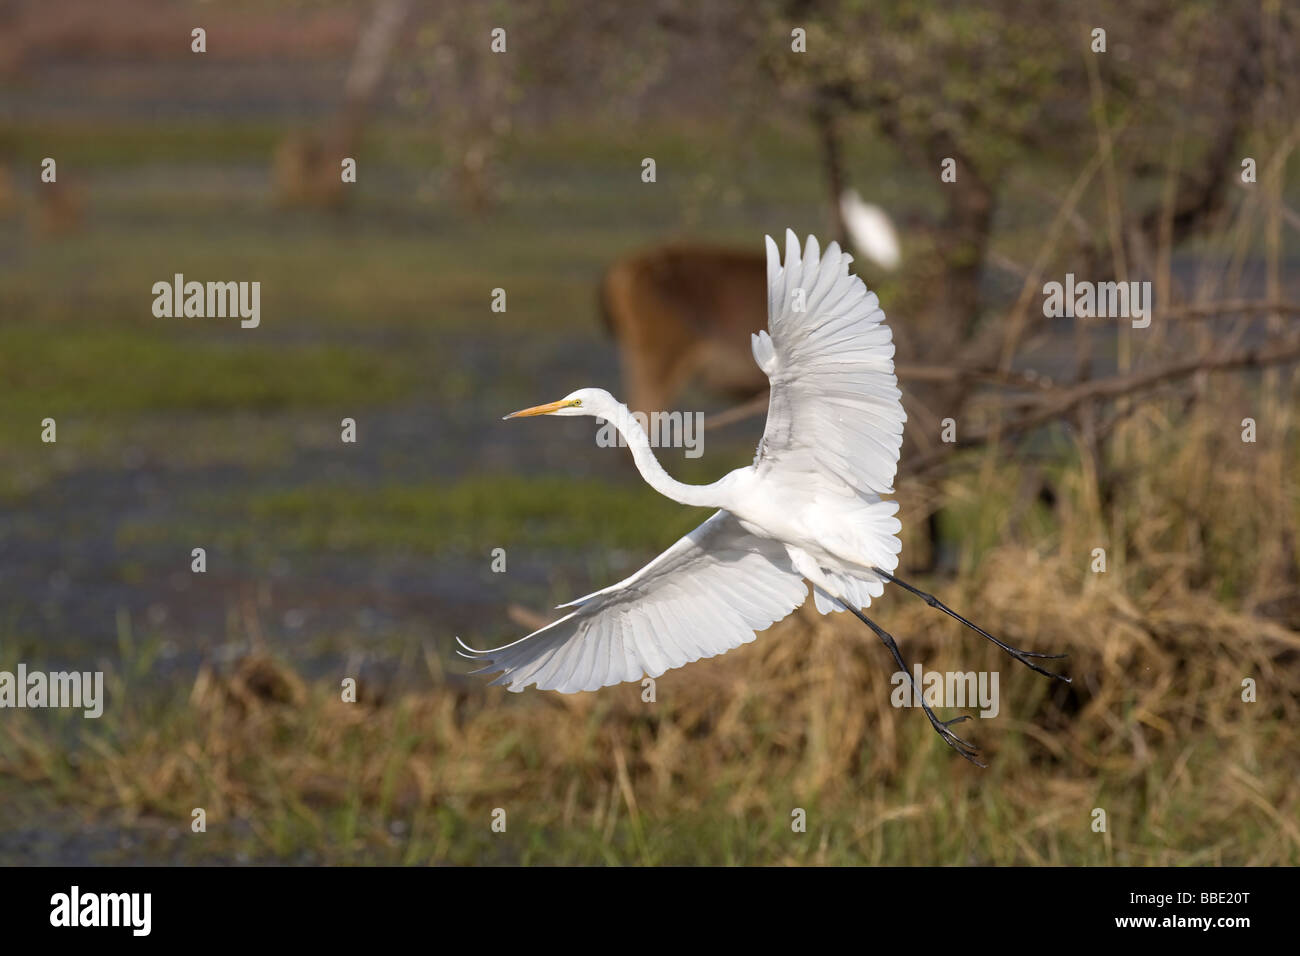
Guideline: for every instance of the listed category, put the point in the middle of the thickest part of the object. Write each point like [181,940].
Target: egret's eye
[577,403]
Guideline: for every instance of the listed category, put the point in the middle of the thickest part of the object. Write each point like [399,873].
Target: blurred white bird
[870,229]
[808,508]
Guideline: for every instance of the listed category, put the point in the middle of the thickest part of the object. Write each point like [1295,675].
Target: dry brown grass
[1199,594]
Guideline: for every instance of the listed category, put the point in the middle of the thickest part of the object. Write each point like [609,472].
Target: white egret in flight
[870,229]
[808,509]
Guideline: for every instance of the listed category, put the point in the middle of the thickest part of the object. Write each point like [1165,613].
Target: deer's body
[684,313]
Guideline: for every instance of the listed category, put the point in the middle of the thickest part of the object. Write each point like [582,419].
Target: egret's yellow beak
[543,409]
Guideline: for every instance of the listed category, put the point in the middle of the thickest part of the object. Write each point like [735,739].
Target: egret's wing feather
[835,416]
[705,595]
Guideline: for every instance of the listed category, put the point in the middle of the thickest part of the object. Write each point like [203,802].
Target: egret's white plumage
[870,229]
[706,594]
[809,507]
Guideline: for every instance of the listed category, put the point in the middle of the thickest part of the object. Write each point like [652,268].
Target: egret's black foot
[963,747]
[1021,655]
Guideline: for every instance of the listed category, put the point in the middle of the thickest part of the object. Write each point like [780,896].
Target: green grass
[193,395]
[76,370]
[334,788]
[363,282]
[543,512]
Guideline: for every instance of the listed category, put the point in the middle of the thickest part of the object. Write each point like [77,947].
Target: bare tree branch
[1111,388]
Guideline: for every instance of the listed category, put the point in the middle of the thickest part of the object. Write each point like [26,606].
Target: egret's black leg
[963,747]
[1017,653]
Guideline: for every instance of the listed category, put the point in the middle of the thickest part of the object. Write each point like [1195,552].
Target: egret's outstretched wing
[835,416]
[705,595]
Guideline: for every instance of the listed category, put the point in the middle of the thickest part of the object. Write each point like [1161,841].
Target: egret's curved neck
[702,495]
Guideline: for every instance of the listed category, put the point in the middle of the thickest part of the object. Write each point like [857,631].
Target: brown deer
[684,313]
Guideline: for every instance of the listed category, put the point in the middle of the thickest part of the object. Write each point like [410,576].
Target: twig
[907,373]
[1028,379]
[1111,388]
[1214,310]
